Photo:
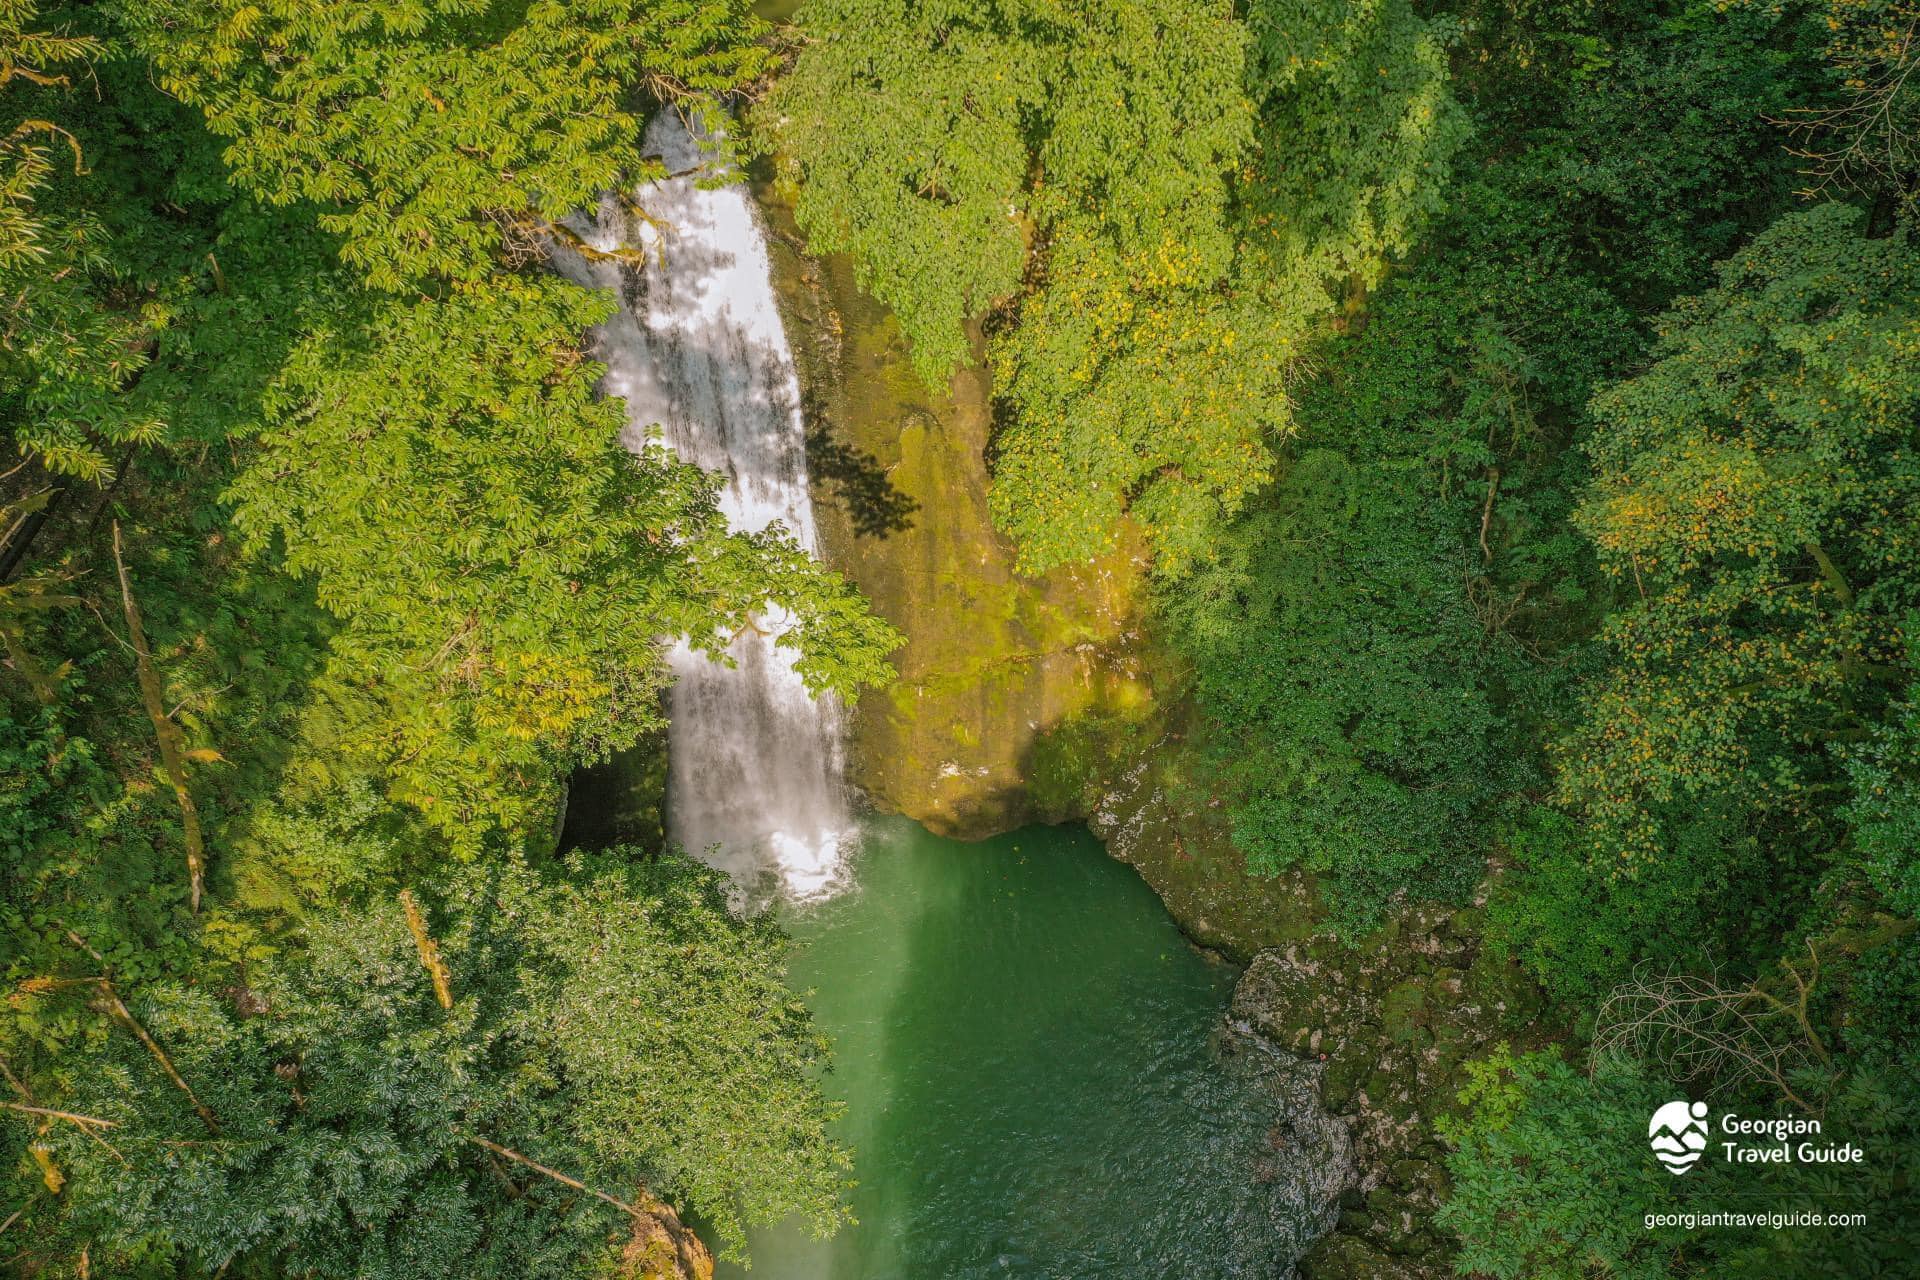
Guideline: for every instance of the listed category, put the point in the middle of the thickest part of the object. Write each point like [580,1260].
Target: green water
[1025,1044]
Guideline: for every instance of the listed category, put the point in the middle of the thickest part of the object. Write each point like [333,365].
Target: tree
[1358,131]
[1865,136]
[436,136]
[607,1037]
[1085,181]
[1340,670]
[65,352]
[504,567]
[1551,1176]
[1750,495]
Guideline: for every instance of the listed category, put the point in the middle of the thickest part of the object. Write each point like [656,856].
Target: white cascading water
[698,350]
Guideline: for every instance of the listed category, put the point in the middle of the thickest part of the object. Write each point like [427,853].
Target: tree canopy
[1516,399]
[1094,186]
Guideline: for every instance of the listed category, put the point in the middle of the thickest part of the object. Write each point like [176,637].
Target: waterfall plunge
[698,350]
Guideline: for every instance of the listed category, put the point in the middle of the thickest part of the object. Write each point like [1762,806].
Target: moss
[993,659]
[1404,1010]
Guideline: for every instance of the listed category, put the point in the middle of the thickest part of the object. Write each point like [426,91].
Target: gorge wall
[992,660]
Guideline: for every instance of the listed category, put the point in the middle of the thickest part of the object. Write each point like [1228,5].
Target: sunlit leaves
[1146,201]
[1357,138]
[1755,497]
[505,568]
[436,134]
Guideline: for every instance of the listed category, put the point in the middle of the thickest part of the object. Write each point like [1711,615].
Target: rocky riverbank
[1384,1025]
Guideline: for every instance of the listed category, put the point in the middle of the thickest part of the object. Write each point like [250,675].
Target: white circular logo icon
[1678,1134]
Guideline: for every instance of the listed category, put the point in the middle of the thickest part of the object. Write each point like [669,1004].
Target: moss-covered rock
[993,659]
[1391,1018]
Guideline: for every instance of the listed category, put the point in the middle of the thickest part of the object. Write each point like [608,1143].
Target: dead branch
[117,1009]
[71,1116]
[429,950]
[1694,1027]
[1803,989]
[15,1215]
[578,243]
[171,753]
[555,1174]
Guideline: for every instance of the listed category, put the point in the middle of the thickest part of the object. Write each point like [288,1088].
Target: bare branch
[555,1174]
[1695,1028]
[117,1008]
[74,1117]
[164,728]
[429,950]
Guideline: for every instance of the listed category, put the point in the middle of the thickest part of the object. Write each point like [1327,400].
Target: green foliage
[1005,118]
[513,627]
[1719,890]
[714,1091]
[348,1103]
[435,134]
[64,354]
[1878,1109]
[1764,608]
[1551,1175]
[930,207]
[1140,386]
[1358,131]
[1340,669]
[1419,532]
[1884,811]
[1884,995]
[1552,1181]
[92,832]
[1098,191]
[1149,381]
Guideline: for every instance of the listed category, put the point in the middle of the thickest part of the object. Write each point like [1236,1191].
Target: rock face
[1139,805]
[993,659]
[1391,1022]
[1309,1160]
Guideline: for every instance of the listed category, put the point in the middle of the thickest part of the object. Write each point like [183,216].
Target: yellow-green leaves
[504,568]
[437,135]
[1755,496]
[1357,138]
[1145,202]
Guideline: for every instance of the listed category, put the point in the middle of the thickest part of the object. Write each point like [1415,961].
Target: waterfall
[698,352]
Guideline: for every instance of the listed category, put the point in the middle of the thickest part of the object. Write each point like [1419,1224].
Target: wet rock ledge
[1382,1028]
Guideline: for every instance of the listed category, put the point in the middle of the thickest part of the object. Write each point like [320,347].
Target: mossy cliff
[993,659]
[1019,699]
